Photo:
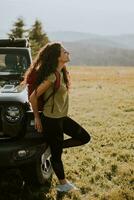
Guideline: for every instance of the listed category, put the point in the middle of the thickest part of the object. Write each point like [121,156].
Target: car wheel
[39,172]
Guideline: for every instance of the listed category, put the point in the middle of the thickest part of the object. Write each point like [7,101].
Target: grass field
[102,101]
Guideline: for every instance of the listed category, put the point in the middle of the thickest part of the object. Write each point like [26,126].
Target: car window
[13,63]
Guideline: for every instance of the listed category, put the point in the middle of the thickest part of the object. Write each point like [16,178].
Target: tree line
[36,35]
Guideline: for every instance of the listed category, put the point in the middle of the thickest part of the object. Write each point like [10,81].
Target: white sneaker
[66,187]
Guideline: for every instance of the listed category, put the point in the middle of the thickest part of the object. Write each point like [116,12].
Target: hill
[91,53]
[91,49]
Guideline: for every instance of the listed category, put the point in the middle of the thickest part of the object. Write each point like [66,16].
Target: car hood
[10,75]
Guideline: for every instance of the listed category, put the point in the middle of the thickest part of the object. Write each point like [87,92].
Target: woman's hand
[38,125]
[34,103]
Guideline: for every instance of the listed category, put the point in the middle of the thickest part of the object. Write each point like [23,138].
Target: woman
[54,122]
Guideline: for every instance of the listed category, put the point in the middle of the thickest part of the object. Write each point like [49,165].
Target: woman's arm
[34,103]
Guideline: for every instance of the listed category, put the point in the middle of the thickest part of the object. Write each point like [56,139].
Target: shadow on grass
[69,195]
[13,187]
[60,195]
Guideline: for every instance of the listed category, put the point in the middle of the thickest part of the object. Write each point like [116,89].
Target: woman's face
[64,56]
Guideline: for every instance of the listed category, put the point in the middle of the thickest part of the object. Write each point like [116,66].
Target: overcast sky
[105,17]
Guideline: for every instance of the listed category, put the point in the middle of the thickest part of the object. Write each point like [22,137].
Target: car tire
[39,172]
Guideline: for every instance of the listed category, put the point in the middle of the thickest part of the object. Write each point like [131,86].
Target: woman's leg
[53,133]
[79,135]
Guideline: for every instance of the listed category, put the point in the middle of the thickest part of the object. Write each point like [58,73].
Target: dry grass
[102,100]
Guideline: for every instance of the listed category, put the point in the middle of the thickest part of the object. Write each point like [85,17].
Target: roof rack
[14,42]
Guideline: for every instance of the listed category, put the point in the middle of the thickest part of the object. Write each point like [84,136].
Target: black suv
[20,145]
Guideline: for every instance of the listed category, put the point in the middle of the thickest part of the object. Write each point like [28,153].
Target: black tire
[39,172]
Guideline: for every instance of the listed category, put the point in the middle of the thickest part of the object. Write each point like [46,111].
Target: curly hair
[46,62]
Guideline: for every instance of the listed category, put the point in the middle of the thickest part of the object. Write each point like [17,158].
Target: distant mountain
[90,49]
[123,41]
[126,41]
[70,36]
[83,53]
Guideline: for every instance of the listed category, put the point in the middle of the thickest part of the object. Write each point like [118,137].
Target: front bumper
[22,151]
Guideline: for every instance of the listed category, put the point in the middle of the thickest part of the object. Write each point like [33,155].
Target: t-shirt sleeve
[51,78]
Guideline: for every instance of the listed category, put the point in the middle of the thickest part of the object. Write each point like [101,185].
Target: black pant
[53,133]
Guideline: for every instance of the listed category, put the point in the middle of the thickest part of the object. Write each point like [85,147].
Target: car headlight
[24,153]
[13,113]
